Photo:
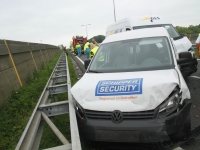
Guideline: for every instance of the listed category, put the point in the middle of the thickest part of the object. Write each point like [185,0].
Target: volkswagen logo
[117,116]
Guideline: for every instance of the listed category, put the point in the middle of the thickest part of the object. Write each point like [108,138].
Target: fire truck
[81,40]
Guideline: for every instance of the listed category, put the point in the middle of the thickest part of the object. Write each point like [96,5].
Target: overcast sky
[56,21]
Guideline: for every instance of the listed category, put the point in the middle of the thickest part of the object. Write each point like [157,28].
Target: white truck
[181,42]
[136,93]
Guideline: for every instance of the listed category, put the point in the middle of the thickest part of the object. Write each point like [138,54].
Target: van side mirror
[187,55]
[86,63]
[187,63]
[184,58]
[182,35]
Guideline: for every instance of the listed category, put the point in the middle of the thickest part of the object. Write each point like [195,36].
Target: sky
[55,22]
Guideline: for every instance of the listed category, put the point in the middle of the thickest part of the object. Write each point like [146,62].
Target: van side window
[128,29]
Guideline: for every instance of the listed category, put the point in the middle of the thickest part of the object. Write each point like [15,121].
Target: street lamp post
[86,29]
[114,10]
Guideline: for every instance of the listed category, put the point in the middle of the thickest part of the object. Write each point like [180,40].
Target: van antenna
[150,17]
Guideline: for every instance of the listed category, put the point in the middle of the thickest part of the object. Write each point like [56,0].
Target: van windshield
[170,29]
[133,55]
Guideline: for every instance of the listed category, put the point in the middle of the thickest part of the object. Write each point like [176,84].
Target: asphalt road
[193,83]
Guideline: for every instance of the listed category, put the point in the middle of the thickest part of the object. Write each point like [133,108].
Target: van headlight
[79,110]
[172,102]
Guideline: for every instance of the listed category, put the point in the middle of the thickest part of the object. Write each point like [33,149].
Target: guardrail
[31,136]
[194,45]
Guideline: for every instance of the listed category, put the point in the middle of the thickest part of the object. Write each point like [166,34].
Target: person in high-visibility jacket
[94,49]
[78,48]
[87,50]
[198,44]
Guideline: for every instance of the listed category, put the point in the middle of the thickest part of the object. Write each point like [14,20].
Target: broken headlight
[172,102]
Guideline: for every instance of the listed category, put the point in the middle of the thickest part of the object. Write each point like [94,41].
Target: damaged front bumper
[174,127]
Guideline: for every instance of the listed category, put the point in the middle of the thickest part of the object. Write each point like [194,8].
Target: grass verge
[18,108]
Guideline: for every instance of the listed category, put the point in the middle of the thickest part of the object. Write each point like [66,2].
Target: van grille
[150,114]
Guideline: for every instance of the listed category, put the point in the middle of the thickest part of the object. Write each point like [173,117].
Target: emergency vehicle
[81,40]
[181,42]
[137,93]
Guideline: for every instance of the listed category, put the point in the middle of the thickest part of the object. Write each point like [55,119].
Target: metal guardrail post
[55,130]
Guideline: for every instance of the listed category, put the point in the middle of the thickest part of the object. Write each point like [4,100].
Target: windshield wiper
[94,71]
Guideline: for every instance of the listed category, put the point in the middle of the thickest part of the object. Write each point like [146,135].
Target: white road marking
[198,59]
[80,60]
[195,77]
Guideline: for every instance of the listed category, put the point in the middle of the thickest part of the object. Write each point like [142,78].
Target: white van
[136,93]
[181,42]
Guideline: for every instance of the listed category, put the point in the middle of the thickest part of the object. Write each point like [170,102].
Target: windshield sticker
[119,87]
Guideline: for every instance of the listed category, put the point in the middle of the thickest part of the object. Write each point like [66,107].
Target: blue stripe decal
[119,87]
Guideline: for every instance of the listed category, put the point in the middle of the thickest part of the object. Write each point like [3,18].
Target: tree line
[98,38]
[188,30]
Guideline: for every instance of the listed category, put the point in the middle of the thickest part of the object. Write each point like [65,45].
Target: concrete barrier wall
[18,61]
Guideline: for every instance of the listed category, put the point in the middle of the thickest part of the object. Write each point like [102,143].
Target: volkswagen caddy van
[136,93]
[181,42]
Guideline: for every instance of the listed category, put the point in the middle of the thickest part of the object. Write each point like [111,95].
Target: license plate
[115,135]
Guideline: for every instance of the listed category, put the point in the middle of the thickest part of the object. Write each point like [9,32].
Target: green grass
[15,113]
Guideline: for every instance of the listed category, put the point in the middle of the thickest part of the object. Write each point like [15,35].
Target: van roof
[135,34]
[148,20]
[142,21]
